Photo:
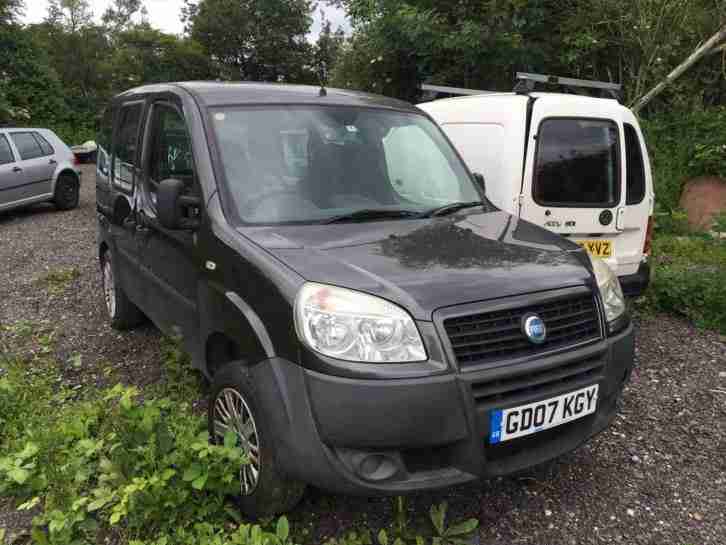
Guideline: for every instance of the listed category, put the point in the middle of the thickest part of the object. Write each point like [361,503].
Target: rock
[702,200]
[630,512]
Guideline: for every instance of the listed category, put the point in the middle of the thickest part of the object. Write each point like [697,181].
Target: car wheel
[121,311]
[66,192]
[234,406]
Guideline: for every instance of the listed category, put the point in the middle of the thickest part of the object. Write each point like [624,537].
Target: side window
[635,167]
[104,140]
[45,146]
[6,154]
[124,152]
[27,146]
[171,154]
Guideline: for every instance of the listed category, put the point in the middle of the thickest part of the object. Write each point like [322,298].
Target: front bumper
[635,284]
[371,437]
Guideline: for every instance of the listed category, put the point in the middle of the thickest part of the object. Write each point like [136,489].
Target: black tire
[122,313]
[67,190]
[273,493]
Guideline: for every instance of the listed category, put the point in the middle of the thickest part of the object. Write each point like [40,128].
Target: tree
[119,15]
[401,43]
[72,14]
[635,42]
[30,91]
[261,40]
[146,55]
[328,45]
[9,10]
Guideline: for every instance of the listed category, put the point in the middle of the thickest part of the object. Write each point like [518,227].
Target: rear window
[635,167]
[45,146]
[27,146]
[6,154]
[577,163]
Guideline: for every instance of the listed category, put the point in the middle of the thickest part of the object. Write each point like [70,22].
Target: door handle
[52,162]
[17,169]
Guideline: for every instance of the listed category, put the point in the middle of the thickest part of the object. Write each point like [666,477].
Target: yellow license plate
[597,248]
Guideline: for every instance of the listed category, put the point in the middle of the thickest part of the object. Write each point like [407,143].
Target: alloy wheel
[109,289]
[231,413]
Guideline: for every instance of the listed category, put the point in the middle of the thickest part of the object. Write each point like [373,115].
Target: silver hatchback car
[36,166]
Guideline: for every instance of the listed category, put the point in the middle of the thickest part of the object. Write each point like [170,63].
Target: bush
[683,145]
[689,277]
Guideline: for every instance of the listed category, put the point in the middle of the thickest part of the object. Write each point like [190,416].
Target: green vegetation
[94,463]
[689,276]
[683,145]
[56,281]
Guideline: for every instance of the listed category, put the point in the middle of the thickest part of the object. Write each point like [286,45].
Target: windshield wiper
[371,214]
[451,208]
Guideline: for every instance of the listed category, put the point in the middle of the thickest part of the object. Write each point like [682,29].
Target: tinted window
[577,163]
[124,161]
[308,164]
[45,146]
[104,140]
[171,156]
[635,167]
[104,133]
[6,154]
[27,146]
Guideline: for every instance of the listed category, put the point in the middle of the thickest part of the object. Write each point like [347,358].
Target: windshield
[309,164]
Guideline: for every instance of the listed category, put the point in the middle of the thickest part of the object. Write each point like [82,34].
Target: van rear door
[574,182]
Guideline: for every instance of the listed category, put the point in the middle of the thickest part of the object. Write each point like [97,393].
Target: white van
[574,164]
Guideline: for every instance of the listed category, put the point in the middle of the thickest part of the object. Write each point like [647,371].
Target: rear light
[76,162]
[648,236]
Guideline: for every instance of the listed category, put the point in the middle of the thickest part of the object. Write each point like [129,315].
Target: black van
[371,324]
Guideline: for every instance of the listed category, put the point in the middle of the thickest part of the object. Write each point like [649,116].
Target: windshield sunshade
[310,164]
[577,163]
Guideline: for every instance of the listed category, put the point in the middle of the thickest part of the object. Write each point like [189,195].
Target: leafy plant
[688,277]
[451,535]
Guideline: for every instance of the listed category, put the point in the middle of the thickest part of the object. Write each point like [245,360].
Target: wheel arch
[232,331]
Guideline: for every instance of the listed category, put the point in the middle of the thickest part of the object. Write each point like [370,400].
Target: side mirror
[175,210]
[121,210]
[479,178]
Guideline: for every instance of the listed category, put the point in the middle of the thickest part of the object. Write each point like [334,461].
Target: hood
[427,264]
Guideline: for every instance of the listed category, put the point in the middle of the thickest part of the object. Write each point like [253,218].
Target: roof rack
[526,83]
[452,90]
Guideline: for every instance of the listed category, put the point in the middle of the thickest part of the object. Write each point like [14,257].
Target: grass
[57,281]
[119,465]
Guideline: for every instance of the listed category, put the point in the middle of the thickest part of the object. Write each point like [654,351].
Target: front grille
[497,335]
[522,388]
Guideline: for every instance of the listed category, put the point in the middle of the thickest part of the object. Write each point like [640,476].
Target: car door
[37,163]
[124,171]
[639,198]
[11,178]
[170,256]
[574,178]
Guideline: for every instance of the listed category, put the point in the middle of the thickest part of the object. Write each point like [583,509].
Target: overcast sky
[164,14]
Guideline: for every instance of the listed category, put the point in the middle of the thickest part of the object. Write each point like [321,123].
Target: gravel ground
[657,476]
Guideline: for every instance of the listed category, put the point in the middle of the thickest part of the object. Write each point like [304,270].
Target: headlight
[353,326]
[610,291]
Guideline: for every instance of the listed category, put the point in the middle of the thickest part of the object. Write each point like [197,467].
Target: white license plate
[507,424]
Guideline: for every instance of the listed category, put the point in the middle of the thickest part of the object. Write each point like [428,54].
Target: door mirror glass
[175,209]
[479,179]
